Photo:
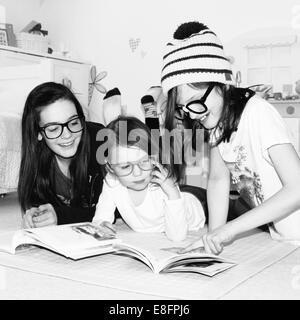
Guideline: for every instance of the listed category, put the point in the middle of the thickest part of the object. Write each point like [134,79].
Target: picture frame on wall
[3,37]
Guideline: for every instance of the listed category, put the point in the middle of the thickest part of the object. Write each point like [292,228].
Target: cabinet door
[75,76]
[290,111]
[21,72]
[294,129]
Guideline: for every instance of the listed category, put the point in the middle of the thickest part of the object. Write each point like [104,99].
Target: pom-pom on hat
[194,55]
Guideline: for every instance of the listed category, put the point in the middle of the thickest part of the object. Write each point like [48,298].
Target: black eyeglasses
[55,130]
[197,106]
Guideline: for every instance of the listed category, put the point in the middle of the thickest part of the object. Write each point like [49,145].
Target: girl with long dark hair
[60,179]
[250,146]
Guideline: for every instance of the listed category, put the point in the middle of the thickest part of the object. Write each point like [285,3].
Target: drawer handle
[67,82]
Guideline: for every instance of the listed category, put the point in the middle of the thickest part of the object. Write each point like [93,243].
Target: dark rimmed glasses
[55,130]
[196,106]
[125,169]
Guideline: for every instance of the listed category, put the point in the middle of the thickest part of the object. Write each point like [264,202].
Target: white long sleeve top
[155,214]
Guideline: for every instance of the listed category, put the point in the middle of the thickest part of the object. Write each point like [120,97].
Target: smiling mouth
[65,145]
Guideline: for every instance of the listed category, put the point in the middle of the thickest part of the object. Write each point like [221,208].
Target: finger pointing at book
[193,246]
[207,243]
[213,241]
[212,244]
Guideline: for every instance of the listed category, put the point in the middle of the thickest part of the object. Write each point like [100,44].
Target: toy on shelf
[33,38]
[297,87]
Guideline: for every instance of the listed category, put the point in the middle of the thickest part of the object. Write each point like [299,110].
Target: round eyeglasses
[55,130]
[125,169]
[197,106]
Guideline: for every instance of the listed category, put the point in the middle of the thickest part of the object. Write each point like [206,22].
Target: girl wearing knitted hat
[250,146]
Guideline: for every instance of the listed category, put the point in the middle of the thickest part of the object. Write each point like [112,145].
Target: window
[270,64]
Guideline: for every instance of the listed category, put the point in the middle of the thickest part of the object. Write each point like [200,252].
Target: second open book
[77,241]
[162,255]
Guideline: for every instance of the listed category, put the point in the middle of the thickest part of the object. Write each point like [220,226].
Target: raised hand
[160,178]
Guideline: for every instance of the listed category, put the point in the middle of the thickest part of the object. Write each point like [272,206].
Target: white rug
[253,253]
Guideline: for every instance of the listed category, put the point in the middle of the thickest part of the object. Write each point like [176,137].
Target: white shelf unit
[23,70]
[290,111]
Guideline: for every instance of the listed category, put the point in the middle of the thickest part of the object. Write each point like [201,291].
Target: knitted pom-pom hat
[194,55]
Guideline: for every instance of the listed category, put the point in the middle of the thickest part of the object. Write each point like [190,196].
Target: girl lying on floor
[145,194]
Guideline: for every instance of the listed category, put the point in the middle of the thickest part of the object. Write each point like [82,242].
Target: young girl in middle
[141,188]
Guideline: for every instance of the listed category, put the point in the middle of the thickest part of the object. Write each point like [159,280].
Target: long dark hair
[235,100]
[143,138]
[37,160]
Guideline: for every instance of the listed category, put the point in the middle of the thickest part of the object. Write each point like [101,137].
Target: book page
[71,237]
[10,241]
[75,241]
[210,268]
[160,252]
[6,242]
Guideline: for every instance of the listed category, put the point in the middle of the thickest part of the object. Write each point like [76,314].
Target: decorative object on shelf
[287,90]
[262,90]
[32,42]
[35,28]
[3,37]
[33,38]
[95,82]
[10,36]
[297,87]
[277,95]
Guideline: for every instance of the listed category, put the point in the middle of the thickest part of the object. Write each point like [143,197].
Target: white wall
[99,31]
[21,12]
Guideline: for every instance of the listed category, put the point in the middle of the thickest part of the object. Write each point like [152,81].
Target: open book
[82,240]
[162,255]
[75,241]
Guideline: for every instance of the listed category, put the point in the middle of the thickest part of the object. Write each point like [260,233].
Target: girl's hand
[27,221]
[42,216]
[168,185]
[213,241]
